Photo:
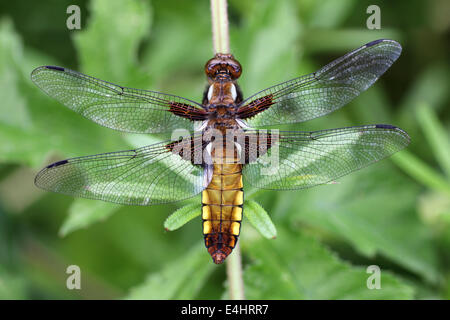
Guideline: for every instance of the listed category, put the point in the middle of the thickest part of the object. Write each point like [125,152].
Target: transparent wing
[150,175]
[321,92]
[296,160]
[116,107]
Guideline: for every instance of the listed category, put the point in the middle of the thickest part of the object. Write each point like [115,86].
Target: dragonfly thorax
[221,93]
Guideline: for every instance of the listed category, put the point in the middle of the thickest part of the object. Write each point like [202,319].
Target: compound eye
[212,67]
[235,70]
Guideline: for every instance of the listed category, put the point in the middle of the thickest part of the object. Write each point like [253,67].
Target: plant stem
[234,275]
[219,21]
[221,44]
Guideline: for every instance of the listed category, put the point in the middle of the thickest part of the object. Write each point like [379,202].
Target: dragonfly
[225,141]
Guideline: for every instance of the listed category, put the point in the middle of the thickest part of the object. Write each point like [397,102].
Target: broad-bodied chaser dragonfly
[226,141]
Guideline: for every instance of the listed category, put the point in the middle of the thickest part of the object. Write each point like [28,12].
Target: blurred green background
[394,214]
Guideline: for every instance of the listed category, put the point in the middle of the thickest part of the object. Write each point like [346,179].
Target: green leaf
[24,147]
[374,211]
[436,135]
[180,279]
[434,209]
[14,107]
[182,216]
[259,218]
[420,171]
[328,14]
[39,126]
[295,266]
[108,47]
[164,60]
[12,286]
[430,87]
[84,212]
[264,24]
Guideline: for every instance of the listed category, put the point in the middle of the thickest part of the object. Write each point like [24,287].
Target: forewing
[321,92]
[117,107]
[296,160]
[150,175]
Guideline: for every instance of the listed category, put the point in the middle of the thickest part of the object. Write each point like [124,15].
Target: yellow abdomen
[222,202]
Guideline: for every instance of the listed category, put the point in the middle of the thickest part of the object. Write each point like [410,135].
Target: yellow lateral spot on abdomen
[236,214]
[206,213]
[235,228]
[207,228]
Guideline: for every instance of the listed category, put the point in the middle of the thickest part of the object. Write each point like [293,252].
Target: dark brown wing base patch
[189,148]
[255,107]
[256,144]
[187,111]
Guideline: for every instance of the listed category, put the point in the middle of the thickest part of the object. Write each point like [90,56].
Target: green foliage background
[394,214]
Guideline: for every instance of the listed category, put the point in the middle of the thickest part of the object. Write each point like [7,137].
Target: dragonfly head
[223,66]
